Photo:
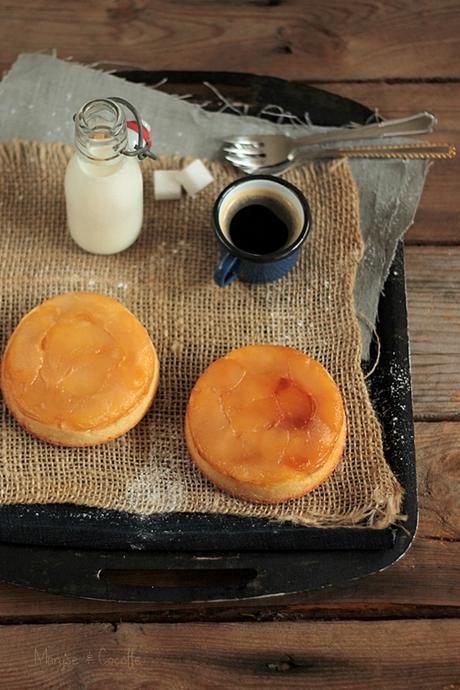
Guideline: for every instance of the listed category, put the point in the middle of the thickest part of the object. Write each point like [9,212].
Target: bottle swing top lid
[102,119]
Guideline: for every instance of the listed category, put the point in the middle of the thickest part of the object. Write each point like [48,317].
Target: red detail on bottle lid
[132,124]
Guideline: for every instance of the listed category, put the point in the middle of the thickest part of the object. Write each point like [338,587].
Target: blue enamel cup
[238,264]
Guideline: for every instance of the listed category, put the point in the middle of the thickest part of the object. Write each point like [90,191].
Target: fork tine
[236,160]
[231,140]
[243,141]
[245,148]
[248,171]
[241,163]
[233,151]
[244,154]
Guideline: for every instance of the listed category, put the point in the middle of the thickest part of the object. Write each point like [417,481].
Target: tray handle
[218,579]
[158,577]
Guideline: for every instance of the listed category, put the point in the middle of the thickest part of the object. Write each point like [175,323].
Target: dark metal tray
[92,553]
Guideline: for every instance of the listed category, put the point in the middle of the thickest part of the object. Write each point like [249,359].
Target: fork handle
[421,123]
[410,151]
[424,151]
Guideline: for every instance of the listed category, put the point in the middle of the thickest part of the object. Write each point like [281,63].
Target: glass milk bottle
[103,187]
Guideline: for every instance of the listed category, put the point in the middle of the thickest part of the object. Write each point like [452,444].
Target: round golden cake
[266,423]
[79,370]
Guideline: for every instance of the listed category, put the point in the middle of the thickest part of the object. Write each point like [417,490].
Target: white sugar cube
[166,185]
[195,177]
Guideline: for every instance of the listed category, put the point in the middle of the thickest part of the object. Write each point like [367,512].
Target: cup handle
[226,271]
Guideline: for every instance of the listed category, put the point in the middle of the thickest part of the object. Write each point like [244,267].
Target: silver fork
[265,150]
[426,151]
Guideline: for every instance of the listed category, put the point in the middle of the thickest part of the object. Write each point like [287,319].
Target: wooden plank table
[397,629]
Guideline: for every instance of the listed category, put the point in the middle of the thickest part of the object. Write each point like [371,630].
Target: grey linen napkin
[40,94]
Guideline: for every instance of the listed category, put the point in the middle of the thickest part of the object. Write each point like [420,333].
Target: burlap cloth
[166,280]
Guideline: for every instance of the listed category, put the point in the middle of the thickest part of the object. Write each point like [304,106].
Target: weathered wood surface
[293,39]
[438,475]
[380,655]
[433,281]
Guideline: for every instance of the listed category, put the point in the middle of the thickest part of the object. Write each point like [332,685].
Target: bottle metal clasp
[141,150]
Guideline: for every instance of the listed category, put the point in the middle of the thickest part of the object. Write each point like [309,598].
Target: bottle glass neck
[100,130]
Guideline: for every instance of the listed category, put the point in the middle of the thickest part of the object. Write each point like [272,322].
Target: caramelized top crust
[79,361]
[265,414]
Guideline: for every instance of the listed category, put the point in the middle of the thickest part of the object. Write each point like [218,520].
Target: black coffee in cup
[260,222]
[258,229]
